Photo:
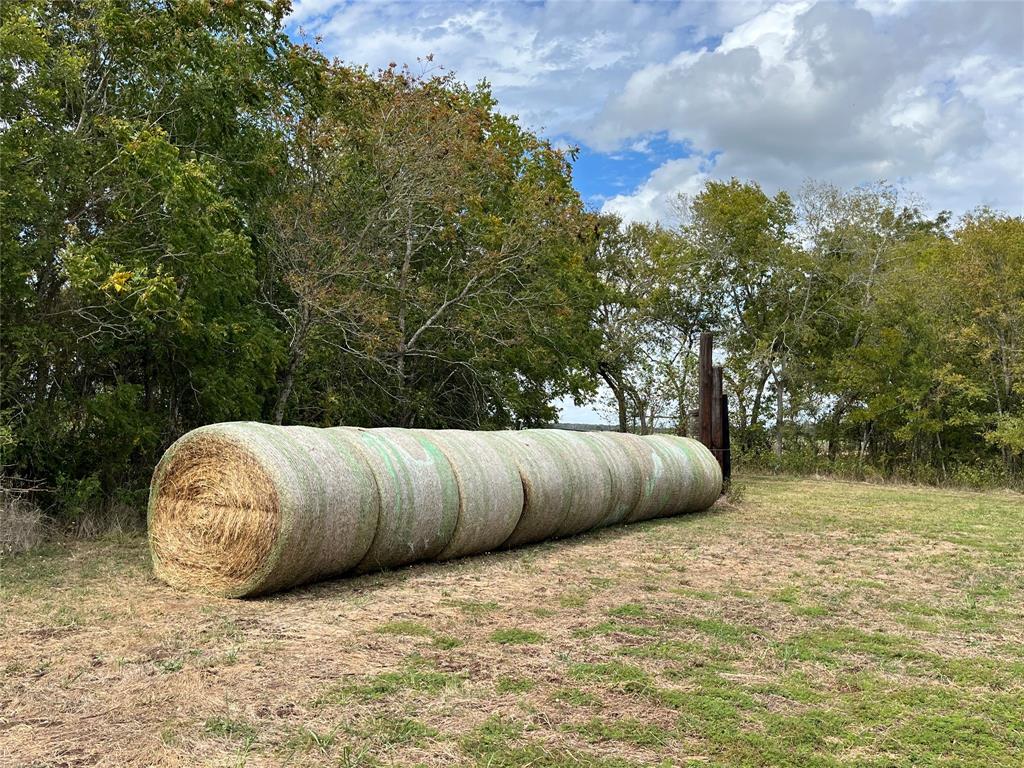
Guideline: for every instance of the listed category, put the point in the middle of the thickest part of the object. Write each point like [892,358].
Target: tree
[438,251]
[985,324]
[744,243]
[138,144]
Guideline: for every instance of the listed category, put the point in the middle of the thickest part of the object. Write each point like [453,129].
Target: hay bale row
[243,508]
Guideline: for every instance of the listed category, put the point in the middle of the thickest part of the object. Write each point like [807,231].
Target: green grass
[309,740]
[501,743]
[576,697]
[477,608]
[405,628]
[228,728]
[629,610]
[391,730]
[512,636]
[417,676]
[514,685]
[612,674]
[446,642]
[718,629]
[629,730]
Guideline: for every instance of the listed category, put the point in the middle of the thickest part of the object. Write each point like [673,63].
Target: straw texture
[623,473]
[490,491]
[243,508]
[547,487]
[586,475]
[419,498]
[686,478]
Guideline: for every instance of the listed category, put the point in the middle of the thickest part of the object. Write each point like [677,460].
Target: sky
[662,96]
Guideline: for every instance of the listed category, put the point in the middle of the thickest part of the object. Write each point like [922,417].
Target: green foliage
[860,337]
[432,247]
[133,159]
[203,221]
[650,309]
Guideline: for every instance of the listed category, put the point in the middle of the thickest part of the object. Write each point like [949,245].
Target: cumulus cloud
[930,95]
[656,198]
[553,64]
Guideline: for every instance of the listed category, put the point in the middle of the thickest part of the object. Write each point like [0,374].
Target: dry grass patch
[813,623]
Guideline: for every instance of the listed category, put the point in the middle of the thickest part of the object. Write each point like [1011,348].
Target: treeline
[203,220]
[859,336]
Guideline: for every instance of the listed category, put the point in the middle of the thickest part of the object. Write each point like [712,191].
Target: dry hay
[214,517]
[585,473]
[624,474]
[243,508]
[418,496]
[489,488]
[690,473]
[547,493]
[680,475]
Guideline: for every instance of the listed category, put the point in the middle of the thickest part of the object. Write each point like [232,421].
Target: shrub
[22,523]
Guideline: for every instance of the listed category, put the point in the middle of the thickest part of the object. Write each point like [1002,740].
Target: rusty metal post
[716,413]
[724,452]
[704,386]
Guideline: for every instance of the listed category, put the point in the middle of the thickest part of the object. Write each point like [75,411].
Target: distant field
[811,623]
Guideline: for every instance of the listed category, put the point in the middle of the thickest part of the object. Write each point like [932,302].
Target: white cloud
[654,199]
[553,63]
[930,95]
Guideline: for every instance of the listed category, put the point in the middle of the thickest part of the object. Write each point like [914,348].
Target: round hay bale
[547,491]
[625,470]
[654,482]
[419,497]
[709,477]
[587,474]
[243,508]
[490,491]
[688,473]
[665,478]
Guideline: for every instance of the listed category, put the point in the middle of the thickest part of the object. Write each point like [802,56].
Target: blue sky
[600,176]
[661,96]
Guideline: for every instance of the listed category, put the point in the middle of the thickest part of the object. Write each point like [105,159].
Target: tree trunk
[286,389]
[833,437]
[620,400]
[404,414]
[620,396]
[779,412]
[683,417]
[296,351]
[755,409]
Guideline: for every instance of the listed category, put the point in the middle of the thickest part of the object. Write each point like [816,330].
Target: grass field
[810,623]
